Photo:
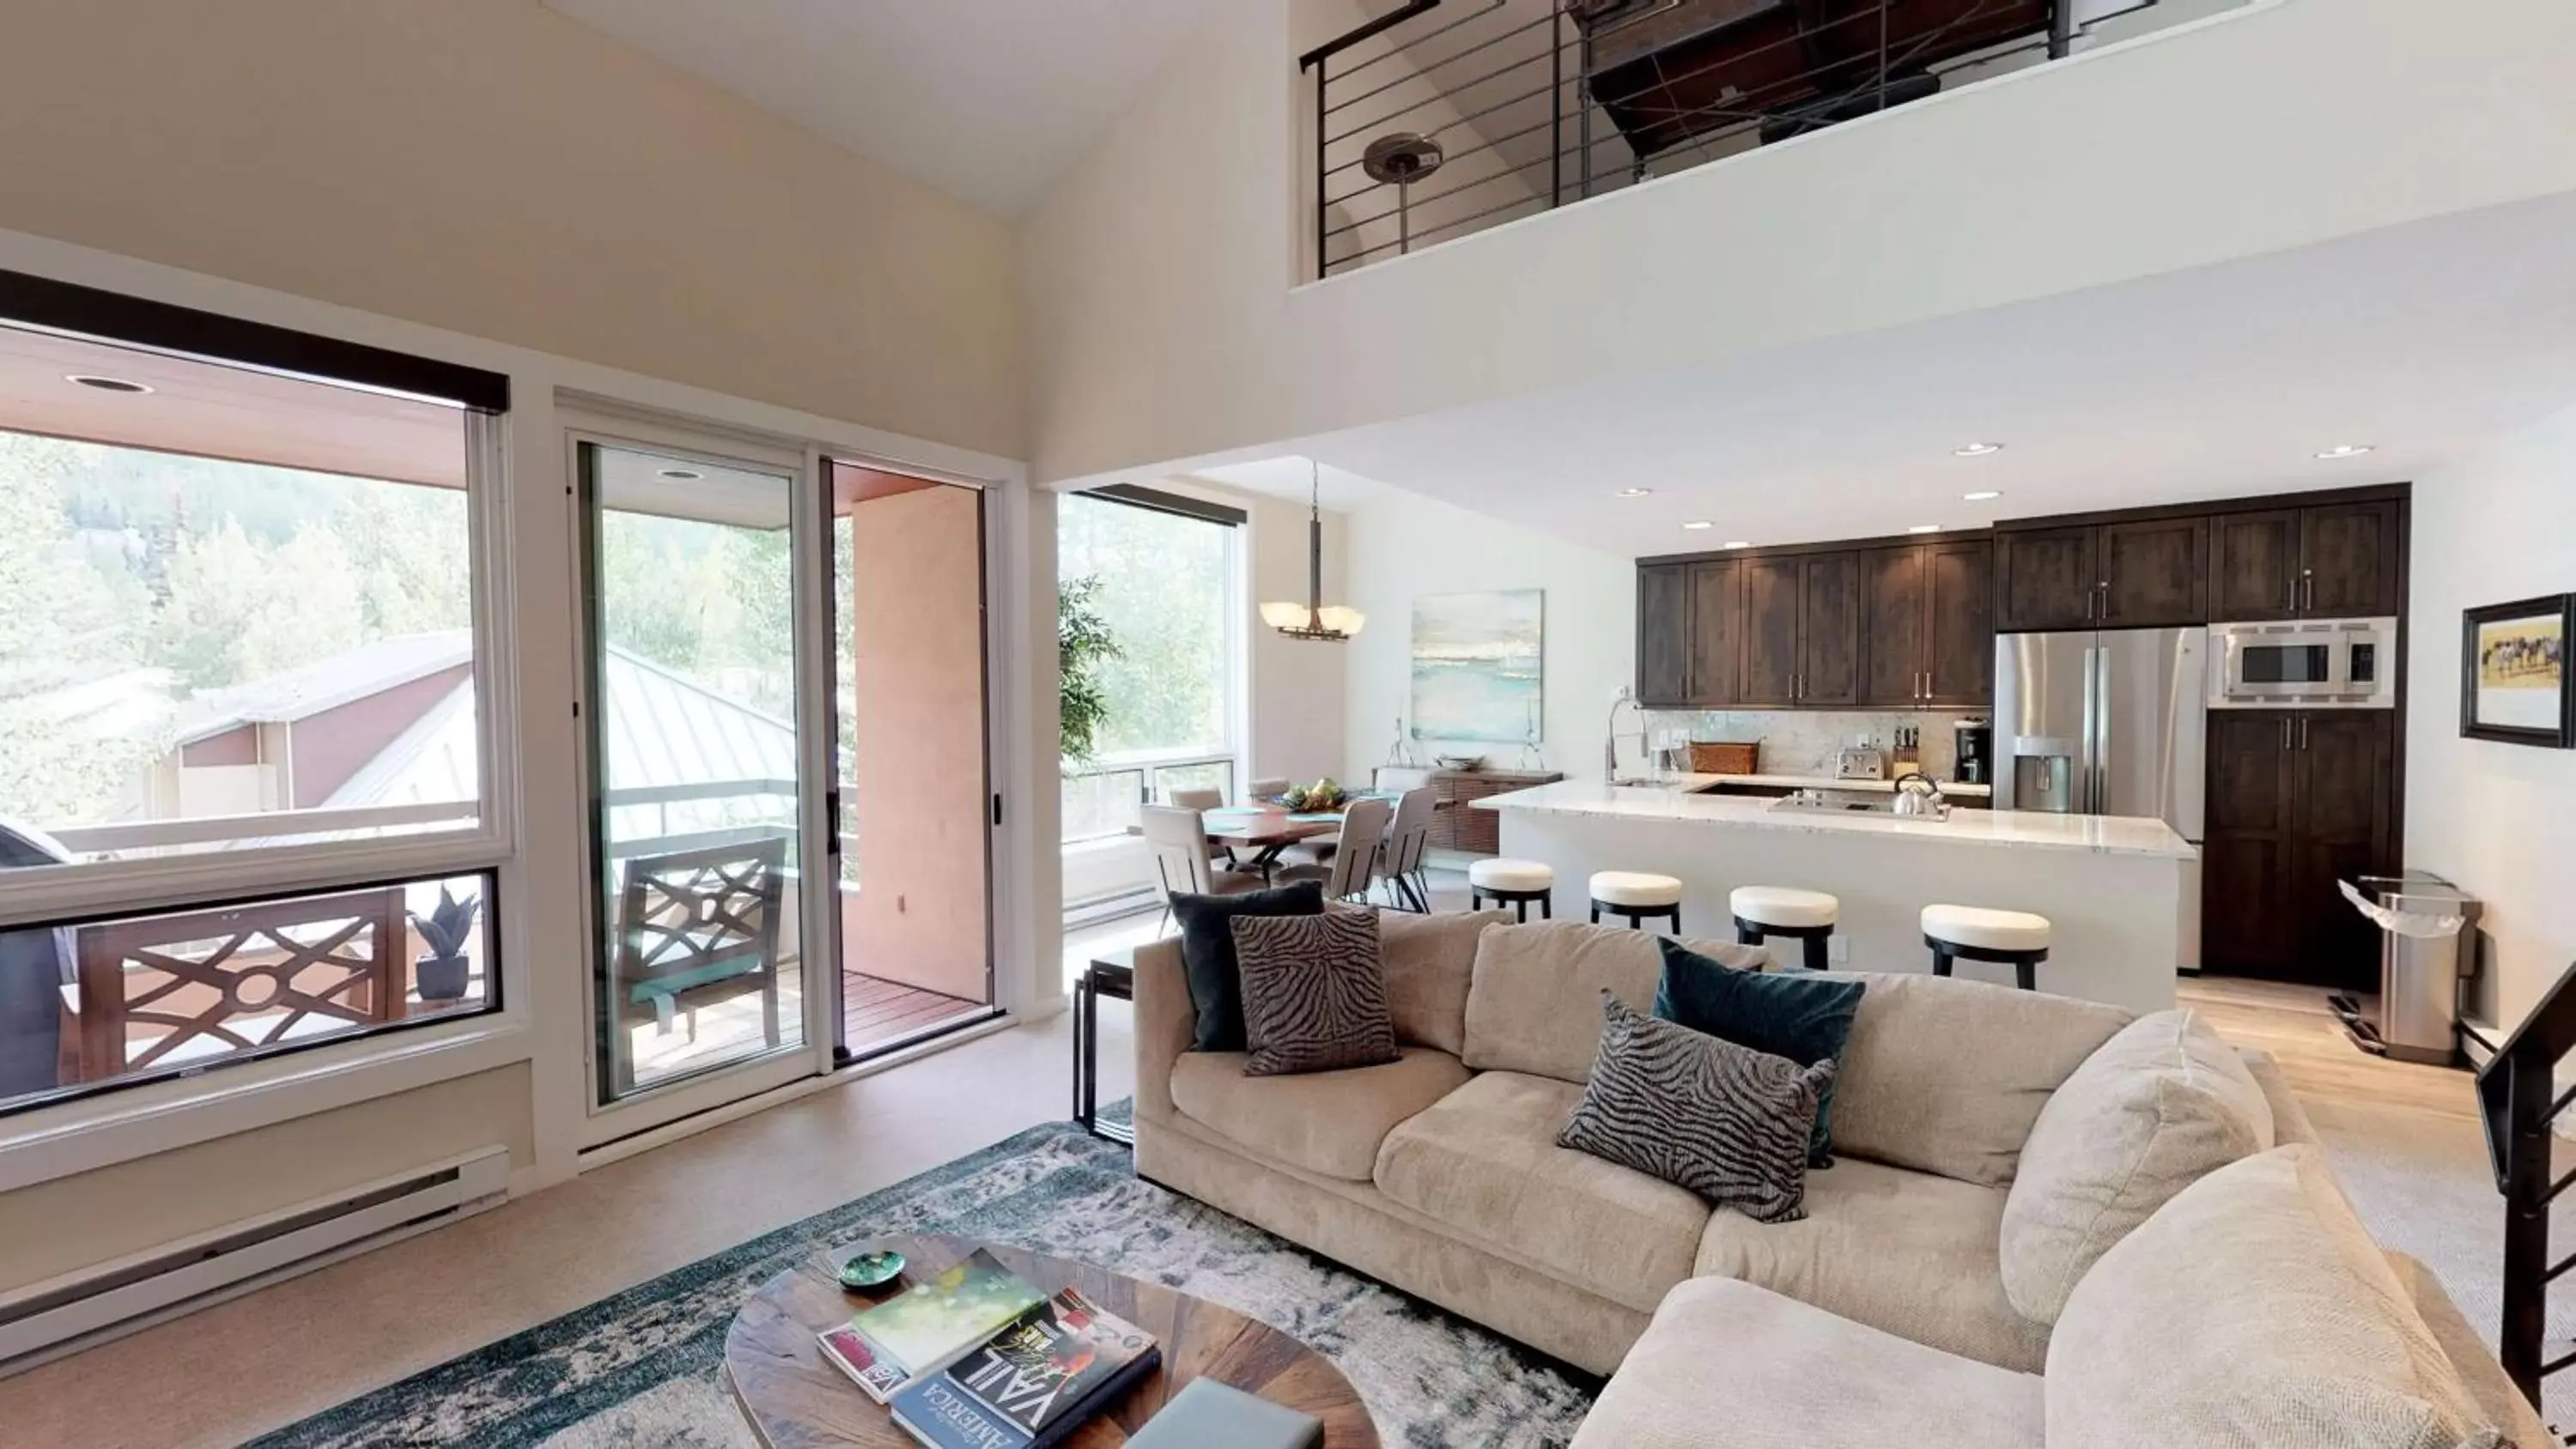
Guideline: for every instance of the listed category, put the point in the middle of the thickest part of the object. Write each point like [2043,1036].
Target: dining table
[1255,833]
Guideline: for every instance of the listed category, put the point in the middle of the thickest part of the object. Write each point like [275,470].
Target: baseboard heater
[45,1320]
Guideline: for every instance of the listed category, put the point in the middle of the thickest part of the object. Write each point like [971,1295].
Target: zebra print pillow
[1314,993]
[1700,1112]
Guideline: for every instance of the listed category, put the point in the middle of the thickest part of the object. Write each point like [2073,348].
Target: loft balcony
[1442,118]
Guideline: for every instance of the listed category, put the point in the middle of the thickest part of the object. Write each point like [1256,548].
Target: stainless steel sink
[1817,802]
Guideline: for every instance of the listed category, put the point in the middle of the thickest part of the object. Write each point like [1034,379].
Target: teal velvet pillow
[1787,1014]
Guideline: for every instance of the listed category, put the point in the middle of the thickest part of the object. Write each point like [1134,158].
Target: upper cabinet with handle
[2134,574]
[2329,561]
[1689,634]
[1927,625]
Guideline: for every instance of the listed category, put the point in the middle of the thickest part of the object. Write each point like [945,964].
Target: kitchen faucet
[1610,746]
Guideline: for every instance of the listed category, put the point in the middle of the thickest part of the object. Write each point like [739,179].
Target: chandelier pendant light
[1314,619]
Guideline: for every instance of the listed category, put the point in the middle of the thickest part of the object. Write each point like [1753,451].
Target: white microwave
[2304,664]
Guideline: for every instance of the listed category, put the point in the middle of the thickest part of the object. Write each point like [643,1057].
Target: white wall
[2496,818]
[1162,324]
[493,167]
[1403,546]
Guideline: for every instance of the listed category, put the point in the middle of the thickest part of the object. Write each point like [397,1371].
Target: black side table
[1112,974]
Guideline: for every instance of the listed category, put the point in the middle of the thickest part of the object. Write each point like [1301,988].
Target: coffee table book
[929,1325]
[1033,1384]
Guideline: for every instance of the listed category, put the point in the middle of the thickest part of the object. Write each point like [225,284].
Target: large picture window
[239,598]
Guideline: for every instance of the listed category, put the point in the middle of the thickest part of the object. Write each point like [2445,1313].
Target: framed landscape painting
[2514,682]
[1477,666]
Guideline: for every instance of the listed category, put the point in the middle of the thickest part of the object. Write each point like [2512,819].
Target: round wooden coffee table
[795,1400]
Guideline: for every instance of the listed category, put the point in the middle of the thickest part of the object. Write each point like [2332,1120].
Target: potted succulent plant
[442,969]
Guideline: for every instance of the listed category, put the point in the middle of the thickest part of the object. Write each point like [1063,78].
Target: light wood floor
[2294,1024]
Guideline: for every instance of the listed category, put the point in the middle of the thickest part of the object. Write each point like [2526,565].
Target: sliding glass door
[697,772]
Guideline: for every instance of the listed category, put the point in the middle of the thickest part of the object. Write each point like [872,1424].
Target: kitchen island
[2112,886]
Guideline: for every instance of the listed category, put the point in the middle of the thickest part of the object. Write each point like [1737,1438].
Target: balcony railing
[1444,117]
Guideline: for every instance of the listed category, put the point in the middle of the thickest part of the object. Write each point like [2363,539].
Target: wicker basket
[1726,759]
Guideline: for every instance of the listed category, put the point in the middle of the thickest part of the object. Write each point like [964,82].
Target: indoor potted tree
[442,969]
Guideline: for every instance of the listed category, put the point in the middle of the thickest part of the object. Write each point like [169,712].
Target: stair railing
[2519,1100]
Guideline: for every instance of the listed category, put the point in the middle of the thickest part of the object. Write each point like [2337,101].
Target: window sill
[84,1135]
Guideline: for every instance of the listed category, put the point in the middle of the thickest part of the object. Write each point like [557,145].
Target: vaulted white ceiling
[987,100]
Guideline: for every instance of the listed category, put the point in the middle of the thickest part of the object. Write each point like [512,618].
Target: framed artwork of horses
[2515,685]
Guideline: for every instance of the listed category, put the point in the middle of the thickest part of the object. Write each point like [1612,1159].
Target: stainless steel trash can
[2427,953]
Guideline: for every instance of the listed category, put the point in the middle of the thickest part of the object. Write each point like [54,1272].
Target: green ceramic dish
[872,1269]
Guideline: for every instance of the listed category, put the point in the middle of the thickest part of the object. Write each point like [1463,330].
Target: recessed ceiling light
[684,475]
[1737,543]
[1983,495]
[1975,450]
[2347,450]
[1635,492]
[1699,523]
[105,384]
[1924,528]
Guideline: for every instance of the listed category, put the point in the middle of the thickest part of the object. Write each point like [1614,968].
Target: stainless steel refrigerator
[2108,722]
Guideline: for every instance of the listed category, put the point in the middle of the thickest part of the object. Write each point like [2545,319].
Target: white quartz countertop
[2022,829]
[1952,788]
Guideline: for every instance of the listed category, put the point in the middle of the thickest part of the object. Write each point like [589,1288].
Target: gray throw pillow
[1314,993]
[1700,1112]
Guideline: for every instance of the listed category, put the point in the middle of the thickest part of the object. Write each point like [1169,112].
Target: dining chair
[1182,861]
[1206,799]
[1406,842]
[1270,788]
[1346,875]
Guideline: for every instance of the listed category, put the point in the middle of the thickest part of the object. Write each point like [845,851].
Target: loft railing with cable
[1440,118]
[2520,1102]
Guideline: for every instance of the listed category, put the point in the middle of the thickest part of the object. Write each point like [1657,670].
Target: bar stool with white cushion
[1513,883]
[1973,933]
[1807,916]
[1636,895]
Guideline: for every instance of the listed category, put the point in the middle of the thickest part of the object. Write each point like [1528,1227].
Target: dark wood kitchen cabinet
[1927,626]
[1689,634]
[1772,589]
[1802,629]
[2138,573]
[2331,561]
[2298,801]
[1663,634]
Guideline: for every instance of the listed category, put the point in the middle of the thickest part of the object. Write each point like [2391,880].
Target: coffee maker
[1976,752]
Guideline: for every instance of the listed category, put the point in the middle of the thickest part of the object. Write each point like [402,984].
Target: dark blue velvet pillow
[1207,953]
[1788,1014]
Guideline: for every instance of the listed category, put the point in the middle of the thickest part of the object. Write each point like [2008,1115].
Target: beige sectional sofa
[1440,1175]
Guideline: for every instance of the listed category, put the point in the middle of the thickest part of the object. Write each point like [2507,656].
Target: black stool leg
[1520,911]
[1747,935]
[1596,913]
[1547,906]
[1676,914]
[2026,972]
[1818,958]
[1940,962]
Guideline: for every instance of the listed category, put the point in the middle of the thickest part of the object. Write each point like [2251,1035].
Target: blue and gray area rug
[641,1368]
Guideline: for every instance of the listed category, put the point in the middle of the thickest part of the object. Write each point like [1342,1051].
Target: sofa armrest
[1166,1024]
[2489,1389]
[2289,1118]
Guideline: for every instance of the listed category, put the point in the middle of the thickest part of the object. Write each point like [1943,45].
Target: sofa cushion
[1314,995]
[1207,948]
[2480,1374]
[2252,1312]
[1535,1005]
[1905,1252]
[1948,1076]
[1484,1161]
[1729,1363]
[1430,961]
[1325,1122]
[2159,1106]
[1797,1015]
[1728,1122]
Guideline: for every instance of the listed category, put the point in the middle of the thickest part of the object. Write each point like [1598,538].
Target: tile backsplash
[1804,742]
